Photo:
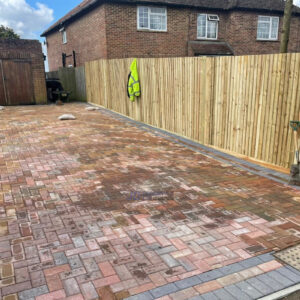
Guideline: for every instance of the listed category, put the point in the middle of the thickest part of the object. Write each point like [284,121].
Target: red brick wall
[110,31]
[294,43]
[242,34]
[124,40]
[29,50]
[86,36]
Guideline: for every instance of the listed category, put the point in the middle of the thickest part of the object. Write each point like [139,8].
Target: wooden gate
[16,82]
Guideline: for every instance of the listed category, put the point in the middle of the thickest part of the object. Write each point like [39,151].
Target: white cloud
[297,2]
[26,20]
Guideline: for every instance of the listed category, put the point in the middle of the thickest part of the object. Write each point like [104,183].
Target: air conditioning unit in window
[213,18]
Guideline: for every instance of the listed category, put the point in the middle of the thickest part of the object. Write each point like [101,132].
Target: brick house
[168,28]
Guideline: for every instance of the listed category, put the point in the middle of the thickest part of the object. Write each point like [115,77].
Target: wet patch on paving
[98,206]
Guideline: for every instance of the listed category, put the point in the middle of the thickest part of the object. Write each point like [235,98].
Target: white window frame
[149,13]
[270,31]
[207,20]
[64,35]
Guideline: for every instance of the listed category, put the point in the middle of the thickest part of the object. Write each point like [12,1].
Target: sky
[29,18]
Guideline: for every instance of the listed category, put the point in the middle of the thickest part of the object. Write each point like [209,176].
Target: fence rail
[240,104]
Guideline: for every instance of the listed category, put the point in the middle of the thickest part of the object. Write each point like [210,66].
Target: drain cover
[290,256]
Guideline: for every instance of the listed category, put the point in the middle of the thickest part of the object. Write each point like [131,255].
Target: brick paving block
[297,272]
[90,265]
[11,297]
[210,276]
[181,253]
[250,262]
[252,272]
[141,288]
[106,269]
[32,293]
[165,250]
[188,282]
[187,264]
[37,278]
[75,297]
[184,294]
[157,279]
[71,287]
[143,296]
[106,281]
[60,258]
[72,273]
[106,293]
[277,276]
[7,282]
[89,291]
[90,254]
[164,290]
[243,254]
[54,283]
[225,295]
[249,289]
[122,285]
[178,243]
[22,275]
[123,272]
[266,257]
[230,269]
[15,288]
[289,274]
[269,266]
[7,270]
[170,261]
[198,297]
[273,284]
[74,262]
[122,295]
[208,287]
[230,279]
[237,293]
[57,295]
[208,296]
[57,270]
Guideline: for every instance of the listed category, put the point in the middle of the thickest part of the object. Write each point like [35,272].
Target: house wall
[110,31]
[31,50]
[125,40]
[242,34]
[86,36]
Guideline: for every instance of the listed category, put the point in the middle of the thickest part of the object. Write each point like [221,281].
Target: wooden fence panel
[73,80]
[239,104]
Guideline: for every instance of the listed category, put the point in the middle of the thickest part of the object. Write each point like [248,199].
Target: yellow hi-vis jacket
[133,86]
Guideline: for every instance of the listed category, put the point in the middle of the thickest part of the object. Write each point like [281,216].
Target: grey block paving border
[205,150]
[252,288]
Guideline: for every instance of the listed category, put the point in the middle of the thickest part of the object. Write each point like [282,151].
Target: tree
[7,33]
[285,33]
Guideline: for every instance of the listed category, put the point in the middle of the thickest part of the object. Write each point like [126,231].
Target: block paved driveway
[98,208]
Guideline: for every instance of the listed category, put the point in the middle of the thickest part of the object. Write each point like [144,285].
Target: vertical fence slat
[241,104]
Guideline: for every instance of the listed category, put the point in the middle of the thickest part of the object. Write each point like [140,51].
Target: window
[267,28]
[64,35]
[152,18]
[207,27]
